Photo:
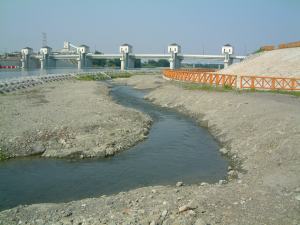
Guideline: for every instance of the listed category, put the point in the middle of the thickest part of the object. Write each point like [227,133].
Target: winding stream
[177,149]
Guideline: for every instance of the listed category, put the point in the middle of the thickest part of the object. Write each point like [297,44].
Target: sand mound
[281,63]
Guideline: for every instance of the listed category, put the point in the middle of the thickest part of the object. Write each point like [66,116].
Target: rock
[224,151]
[203,184]
[232,174]
[189,206]
[179,184]
[297,197]
[164,213]
[153,222]
[222,182]
[37,149]
[297,190]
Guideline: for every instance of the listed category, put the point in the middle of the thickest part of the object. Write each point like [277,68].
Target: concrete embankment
[67,119]
[259,130]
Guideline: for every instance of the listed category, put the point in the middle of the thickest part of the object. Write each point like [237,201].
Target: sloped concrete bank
[261,130]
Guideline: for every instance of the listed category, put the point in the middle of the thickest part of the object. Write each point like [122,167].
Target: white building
[125,48]
[26,51]
[46,50]
[174,48]
[83,49]
[227,49]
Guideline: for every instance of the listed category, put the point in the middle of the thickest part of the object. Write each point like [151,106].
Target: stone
[190,206]
[37,149]
[224,151]
[179,184]
[232,174]
[164,213]
[153,222]
[297,197]
[222,182]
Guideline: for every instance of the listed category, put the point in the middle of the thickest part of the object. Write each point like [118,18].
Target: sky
[199,26]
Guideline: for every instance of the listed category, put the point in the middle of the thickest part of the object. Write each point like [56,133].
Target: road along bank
[261,130]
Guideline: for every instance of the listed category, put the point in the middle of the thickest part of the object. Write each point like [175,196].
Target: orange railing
[270,83]
[202,76]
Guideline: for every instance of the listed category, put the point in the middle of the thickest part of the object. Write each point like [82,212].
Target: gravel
[261,134]
[74,119]
[278,63]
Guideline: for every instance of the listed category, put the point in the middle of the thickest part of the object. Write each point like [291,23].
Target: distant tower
[175,61]
[227,51]
[44,39]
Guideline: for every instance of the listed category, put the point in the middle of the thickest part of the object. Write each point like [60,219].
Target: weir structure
[84,57]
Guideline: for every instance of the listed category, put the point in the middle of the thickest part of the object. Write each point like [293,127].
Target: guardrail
[202,77]
[270,83]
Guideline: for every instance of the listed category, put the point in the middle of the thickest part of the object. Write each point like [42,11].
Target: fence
[270,83]
[246,82]
[200,76]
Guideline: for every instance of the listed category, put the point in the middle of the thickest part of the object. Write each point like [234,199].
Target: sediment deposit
[258,131]
[72,118]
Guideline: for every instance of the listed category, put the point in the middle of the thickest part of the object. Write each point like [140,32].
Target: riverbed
[176,149]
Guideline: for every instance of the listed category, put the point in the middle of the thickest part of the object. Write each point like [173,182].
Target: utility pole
[44,39]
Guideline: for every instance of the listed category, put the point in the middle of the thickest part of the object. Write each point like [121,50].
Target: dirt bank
[261,130]
[67,119]
[277,63]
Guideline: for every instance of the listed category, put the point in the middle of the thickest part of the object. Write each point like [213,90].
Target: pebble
[179,184]
[190,206]
[224,151]
[222,182]
[164,213]
[153,222]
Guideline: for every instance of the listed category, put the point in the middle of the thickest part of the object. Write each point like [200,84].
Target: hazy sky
[149,26]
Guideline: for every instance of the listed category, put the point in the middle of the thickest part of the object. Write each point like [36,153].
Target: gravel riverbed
[73,119]
[260,133]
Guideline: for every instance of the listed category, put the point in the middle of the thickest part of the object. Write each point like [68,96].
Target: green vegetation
[203,65]
[2,155]
[203,87]
[258,51]
[102,76]
[294,93]
[226,88]
[154,63]
[88,77]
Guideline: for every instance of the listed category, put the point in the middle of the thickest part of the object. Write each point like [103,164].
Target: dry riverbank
[260,130]
[67,119]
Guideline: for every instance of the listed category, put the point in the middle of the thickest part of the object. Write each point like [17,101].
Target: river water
[177,149]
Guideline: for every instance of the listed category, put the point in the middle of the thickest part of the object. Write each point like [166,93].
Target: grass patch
[114,75]
[227,88]
[283,92]
[91,77]
[102,76]
[203,87]
[2,155]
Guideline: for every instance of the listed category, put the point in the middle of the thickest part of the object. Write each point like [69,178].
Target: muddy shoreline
[260,130]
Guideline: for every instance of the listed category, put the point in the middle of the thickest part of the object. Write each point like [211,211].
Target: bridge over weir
[83,56]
